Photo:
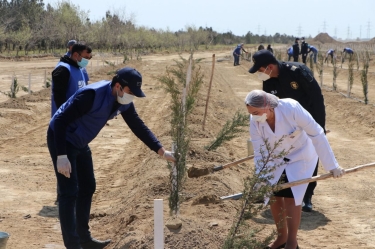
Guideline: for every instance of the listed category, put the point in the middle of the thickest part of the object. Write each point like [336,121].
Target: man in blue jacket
[87,56]
[314,52]
[290,52]
[68,76]
[330,52]
[69,46]
[237,54]
[346,51]
[74,125]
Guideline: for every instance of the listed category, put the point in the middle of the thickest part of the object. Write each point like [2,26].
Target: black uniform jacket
[304,48]
[295,49]
[295,81]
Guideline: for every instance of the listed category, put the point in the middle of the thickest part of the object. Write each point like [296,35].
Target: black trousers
[310,188]
[295,58]
[304,56]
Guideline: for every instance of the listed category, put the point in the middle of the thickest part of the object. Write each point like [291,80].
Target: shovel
[196,172]
[307,180]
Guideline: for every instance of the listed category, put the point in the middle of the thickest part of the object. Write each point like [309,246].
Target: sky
[345,19]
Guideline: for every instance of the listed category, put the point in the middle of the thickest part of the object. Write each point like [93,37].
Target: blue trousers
[75,193]
[236,59]
[313,55]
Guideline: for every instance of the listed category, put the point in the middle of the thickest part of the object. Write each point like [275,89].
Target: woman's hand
[338,172]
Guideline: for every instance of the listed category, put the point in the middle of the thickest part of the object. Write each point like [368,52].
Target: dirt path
[129,176]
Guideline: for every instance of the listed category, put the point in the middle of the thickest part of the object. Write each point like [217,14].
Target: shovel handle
[323,177]
[312,179]
[220,167]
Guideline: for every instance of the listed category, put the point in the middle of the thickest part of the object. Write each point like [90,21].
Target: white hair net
[261,99]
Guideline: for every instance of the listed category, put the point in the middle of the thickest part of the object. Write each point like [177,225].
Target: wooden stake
[209,90]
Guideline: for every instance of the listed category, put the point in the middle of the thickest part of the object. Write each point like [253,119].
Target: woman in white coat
[273,119]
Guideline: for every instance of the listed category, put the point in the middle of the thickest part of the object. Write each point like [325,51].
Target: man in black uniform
[292,80]
[304,50]
[296,50]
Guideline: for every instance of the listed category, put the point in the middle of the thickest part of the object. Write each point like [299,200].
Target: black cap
[131,78]
[262,58]
[303,38]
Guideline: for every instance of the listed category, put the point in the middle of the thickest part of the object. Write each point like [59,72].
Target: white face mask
[125,99]
[259,118]
[263,76]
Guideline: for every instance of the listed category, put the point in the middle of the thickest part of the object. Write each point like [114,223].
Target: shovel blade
[196,172]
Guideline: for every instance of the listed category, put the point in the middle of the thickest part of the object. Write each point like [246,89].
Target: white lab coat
[304,134]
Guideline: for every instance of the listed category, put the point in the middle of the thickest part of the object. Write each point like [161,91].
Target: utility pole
[360,32]
[324,26]
[368,29]
[348,35]
[299,30]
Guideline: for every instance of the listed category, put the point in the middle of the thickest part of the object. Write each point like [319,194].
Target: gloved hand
[63,165]
[168,155]
[338,172]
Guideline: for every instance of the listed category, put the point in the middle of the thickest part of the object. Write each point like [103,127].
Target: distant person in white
[272,119]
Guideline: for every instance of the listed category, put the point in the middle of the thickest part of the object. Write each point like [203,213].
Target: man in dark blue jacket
[304,50]
[237,54]
[292,80]
[296,50]
[74,125]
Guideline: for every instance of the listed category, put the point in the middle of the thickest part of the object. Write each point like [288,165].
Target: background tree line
[32,26]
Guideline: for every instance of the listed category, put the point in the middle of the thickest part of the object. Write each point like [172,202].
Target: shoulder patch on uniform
[293,68]
[294,85]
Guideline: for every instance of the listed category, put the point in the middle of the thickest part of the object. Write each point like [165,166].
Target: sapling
[364,72]
[350,75]
[242,235]
[174,82]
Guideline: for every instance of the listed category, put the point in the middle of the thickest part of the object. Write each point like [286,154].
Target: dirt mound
[324,38]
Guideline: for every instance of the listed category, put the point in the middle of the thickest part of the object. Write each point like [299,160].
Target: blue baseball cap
[131,78]
[262,58]
[71,43]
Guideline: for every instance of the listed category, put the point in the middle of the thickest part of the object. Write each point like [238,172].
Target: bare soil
[130,176]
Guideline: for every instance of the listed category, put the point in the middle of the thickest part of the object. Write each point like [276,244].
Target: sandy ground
[129,175]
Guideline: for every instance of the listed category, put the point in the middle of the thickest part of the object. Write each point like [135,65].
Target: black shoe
[307,205]
[279,247]
[95,244]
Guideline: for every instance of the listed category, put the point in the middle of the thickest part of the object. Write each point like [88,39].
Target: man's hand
[63,165]
[168,155]
[338,172]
